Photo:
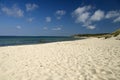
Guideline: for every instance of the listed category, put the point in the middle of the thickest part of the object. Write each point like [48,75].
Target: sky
[58,17]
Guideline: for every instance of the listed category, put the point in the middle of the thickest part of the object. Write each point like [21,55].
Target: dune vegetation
[100,35]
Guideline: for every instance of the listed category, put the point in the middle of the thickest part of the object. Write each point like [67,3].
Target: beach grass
[100,35]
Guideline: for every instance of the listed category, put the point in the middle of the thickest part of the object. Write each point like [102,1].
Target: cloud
[57,29]
[98,15]
[18,27]
[60,13]
[81,14]
[117,19]
[91,27]
[30,19]
[45,28]
[31,7]
[87,16]
[81,10]
[83,17]
[112,14]
[13,11]
[48,19]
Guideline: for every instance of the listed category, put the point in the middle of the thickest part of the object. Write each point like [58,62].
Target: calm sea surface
[21,40]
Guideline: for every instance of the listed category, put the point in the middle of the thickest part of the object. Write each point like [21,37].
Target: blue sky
[58,17]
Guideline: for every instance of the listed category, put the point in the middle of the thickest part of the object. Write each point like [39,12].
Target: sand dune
[89,59]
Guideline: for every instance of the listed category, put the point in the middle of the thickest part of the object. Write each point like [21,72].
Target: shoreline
[20,40]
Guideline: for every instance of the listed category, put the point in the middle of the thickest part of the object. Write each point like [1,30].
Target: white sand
[89,59]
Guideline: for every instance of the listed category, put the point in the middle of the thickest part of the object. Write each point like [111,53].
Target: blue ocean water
[22,40]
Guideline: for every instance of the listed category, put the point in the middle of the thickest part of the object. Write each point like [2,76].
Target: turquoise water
[21,40]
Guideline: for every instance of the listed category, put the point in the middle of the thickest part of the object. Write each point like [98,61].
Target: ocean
[24,40]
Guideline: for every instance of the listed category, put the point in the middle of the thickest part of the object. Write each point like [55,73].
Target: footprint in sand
[111,79]
[108,74]
[93,71]
[103,71]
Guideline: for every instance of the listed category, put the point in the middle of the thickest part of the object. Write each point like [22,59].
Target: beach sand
[87,59]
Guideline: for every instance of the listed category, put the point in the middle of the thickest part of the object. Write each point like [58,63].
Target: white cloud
[117,19]
[58,17]
[57,29]
[48,19]
[31,7]
[30,19]
[98,15]
[81,14]
[14,11]
[112,14]
[45,28]
[91,27]
[60,13]
[18,27]
[87,17]
[87,23]
[81,10]
[83,17]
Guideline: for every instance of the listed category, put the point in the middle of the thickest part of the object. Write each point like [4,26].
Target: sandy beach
[87,59]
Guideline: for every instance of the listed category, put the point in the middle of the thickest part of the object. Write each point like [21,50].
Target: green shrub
[117,32]
[107,36]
